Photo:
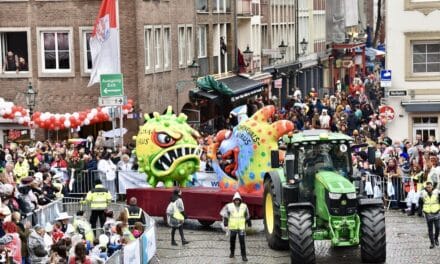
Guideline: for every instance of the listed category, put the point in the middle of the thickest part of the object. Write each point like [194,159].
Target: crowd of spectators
[35,175]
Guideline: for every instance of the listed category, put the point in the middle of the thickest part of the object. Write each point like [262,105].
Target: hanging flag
[104,42]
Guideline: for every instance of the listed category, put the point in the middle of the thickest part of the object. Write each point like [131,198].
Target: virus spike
[140,159]
[168,183]
[147,169]
[156,115]
[169,110]
[134,137]
[166,124]
[141,169]
[182,118]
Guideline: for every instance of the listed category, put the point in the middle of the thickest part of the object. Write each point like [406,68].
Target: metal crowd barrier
[84,181]
[44,214]
[118,256]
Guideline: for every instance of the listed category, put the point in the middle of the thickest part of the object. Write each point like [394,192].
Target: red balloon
[62,119]
[37,120]
[72,119]
[36,114]
[130,101]
[52,118]
[52,126]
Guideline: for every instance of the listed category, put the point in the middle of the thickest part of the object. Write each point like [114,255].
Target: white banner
[148,245]
[132,254]
[134,179]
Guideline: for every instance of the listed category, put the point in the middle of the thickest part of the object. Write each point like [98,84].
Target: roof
[318,135]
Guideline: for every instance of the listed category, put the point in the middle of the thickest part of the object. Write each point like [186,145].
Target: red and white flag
[104,42]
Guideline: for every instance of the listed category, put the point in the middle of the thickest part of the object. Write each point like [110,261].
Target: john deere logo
[344,202]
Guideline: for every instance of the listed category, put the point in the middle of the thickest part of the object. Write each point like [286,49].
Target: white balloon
[8,110]
[105,110]
[2,100]
[2,111]
[67,123]
[21,120]
[67,115]
[57,116]
[17,114]
[94,111]
[125,111]
[90,116]
[86,122]
[76,115]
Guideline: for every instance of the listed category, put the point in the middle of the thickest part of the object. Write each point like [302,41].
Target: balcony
[244,8]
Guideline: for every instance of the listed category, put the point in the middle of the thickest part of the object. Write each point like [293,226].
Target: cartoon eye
[164,140]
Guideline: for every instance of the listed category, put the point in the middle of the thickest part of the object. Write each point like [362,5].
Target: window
[182,47]
[202,5]
[86,55]
[202,32]
[158,48]
[422,56]
[426,57]
[56,52]
[14,53]
[166,48]
[426,126]
[148,49]
[221,6]
[189,45]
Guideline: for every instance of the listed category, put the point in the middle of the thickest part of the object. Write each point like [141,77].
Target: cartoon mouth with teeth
[167,149]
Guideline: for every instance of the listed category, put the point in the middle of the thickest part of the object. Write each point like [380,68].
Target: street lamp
[31,95]
[248,56]
[304,44]
[283,49]
[194,68]
[180,85]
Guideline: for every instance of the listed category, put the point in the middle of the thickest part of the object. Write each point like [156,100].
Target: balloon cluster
[127,108]
[58,121]
[17,113]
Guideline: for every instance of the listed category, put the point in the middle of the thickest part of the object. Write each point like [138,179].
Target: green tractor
[313,196]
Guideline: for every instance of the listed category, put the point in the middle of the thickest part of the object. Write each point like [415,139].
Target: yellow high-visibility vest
[99,198]
[430,203]
[237,218]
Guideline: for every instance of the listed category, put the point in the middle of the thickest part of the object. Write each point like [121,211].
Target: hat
[103,240]
[27,180]
[387,141]
[63,216]
[38,176]
[236,196]
[21,155]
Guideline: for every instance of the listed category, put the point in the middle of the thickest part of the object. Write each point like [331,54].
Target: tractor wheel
[373,235]
[206,223]
[301,243]
[272,218]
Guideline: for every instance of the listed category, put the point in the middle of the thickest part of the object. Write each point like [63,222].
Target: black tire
[301,243]
[206,223]
[373,235]
[273,238]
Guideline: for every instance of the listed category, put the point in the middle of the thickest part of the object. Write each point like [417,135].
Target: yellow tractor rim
[268,216]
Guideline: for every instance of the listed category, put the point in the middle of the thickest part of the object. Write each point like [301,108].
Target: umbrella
[114,133]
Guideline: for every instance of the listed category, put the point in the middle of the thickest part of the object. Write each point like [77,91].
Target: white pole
[119,33]
[121,125]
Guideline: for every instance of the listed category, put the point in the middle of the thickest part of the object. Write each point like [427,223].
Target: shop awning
[233,88]
[242,87]
[421,106]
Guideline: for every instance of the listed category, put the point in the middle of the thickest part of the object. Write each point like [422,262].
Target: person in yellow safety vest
[98,198]
[21,168]
[235,216]
[429,199]
[134,213]
[83,227]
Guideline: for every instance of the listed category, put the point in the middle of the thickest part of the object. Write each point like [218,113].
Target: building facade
[413,56]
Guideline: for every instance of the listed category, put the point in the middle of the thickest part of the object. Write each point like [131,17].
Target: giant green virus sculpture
[166,148]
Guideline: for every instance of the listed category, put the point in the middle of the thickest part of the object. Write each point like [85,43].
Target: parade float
[169,155]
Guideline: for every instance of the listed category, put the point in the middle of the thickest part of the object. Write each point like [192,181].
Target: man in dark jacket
[134,213]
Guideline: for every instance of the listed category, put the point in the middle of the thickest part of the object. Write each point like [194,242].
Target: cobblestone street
[407,242]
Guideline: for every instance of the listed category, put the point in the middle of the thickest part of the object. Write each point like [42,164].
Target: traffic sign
[112,100]
[112,85]
[397,93]
[385,78]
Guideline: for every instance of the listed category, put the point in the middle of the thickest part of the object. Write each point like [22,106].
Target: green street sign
[112,85]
